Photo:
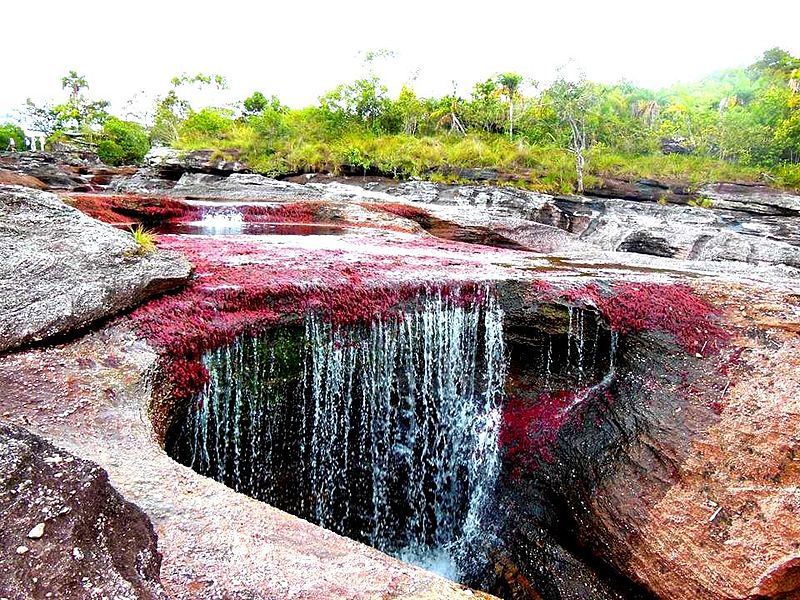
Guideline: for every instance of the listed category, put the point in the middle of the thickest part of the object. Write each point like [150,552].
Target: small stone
[77,554]
[36,532]
[22,549]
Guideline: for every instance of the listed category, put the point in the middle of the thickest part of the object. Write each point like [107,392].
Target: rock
[170,164]
[8,177]
[676,145]
[37,532]
[62,270]
[642,190]
[121,557]
[752,198]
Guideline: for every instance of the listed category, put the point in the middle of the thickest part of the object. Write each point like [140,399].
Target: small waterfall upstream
[386,433]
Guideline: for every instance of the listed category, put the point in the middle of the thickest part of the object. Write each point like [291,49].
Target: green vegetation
[8,131]
[145,240]
[741,125]
[122,142]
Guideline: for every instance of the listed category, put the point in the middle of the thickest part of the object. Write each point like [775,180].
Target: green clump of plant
[8,131]
[122,142]
[701,202]
[145,240]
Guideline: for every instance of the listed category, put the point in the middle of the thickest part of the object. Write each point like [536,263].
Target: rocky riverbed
[676,479]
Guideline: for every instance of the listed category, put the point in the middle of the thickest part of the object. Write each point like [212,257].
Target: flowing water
[226,221]
[385,432]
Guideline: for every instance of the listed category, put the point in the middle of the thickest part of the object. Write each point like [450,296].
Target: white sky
[299,50]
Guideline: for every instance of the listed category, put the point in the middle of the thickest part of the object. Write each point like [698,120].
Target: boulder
[8,177]
[676,145]
[61,270]
[65,532]
[168,163]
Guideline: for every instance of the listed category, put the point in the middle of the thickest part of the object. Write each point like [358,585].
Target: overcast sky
[299,50]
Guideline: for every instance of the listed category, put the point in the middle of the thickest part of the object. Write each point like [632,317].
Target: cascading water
[384,432]
[222,220]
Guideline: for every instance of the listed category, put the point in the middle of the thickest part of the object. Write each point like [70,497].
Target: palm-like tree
[509,85]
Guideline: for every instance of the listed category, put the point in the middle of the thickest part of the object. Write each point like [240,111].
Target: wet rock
[62,270]
[121,560]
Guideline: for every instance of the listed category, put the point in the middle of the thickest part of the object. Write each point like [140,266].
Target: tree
[76,115]
[122,142]
[572,101]
[509,85]
[8,131]
[172,109]
[363,100]
[447,113]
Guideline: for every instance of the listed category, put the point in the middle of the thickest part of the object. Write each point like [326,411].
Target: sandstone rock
[121,558]
[8,177]
[62,270]
[169,163]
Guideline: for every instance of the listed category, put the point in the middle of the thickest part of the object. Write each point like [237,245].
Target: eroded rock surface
[65,532]
[61,270]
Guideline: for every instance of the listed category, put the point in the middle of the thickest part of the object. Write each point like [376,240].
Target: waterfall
[384,432]
[223,220]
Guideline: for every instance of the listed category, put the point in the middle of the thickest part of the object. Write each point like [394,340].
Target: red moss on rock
[671,308]
[292,212]
[530,427]
[241,287]
[130,208]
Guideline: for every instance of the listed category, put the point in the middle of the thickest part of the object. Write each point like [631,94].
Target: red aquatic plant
[530,426]
[670,308]
[127,208]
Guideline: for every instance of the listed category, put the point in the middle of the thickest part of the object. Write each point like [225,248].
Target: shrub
[206,122]
[122,142]
[9,130]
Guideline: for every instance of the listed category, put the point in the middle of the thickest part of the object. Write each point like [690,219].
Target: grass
[543,168]
[145,240]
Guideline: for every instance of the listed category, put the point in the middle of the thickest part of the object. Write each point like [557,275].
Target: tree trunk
[510,120]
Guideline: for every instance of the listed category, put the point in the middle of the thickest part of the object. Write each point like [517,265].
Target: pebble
[22,549]
[36,532]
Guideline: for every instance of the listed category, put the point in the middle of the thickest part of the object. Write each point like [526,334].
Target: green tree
[509,86]
[122,142]
[8,131]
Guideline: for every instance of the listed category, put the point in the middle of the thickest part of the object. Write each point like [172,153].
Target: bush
[122,142]
[9,130]
[207,122]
